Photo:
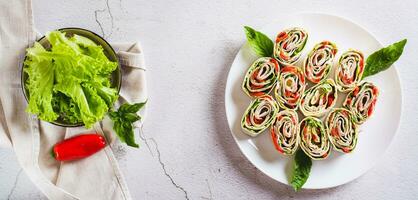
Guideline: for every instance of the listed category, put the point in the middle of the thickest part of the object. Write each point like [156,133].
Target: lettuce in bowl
[69,82]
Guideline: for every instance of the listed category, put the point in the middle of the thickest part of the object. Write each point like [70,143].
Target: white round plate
[375,134]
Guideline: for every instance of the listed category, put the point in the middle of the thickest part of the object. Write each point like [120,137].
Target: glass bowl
[115,78]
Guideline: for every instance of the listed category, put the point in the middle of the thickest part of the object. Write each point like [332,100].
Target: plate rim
[374,163]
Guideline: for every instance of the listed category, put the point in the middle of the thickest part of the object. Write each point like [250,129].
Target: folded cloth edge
[130,55]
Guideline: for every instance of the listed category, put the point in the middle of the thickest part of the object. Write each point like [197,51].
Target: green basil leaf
[128,108]
[118,128]
[122,122]
[124,107]
[128,135]
[301,169]
[125,133]
[383,58]
[260,43]
[113,115]
[131,117]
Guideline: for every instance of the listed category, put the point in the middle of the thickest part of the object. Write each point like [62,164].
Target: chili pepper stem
[53,153]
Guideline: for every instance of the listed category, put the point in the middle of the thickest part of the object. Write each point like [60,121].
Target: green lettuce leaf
[66,108]
[382,59]
[70,81]
[41,82]
[260,43]
[301,169]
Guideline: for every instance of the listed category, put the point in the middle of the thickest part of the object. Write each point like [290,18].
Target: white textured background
[189,47]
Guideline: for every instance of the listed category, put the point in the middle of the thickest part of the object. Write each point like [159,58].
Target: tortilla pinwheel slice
[285,132]
[261,77]
[342,131]
[290,87]
[319,61]
[259,115]
[289,45]
[350,70]
[361,101]
[319,99]
[313,138]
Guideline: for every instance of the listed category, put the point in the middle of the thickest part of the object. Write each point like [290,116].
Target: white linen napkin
[95,177]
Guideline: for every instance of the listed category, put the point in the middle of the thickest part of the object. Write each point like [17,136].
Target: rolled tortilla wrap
[285,132]
[259,115]
[319,61]
[342,131]
[319,99]
[289,45]
[349,71]
[361,101]
[313,138]
[290,87]
[261,77]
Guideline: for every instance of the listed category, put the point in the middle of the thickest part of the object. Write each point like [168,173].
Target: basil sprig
[301,169]
[260,43]
[383,58]
[123,120]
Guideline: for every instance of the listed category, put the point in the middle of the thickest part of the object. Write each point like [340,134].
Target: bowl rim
[119,84]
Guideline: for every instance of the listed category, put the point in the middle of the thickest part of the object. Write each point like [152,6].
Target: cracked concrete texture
[99,22]
[186,148]
[14,184]
[163,167]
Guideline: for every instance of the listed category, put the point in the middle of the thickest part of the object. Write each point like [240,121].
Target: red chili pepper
[78,147]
